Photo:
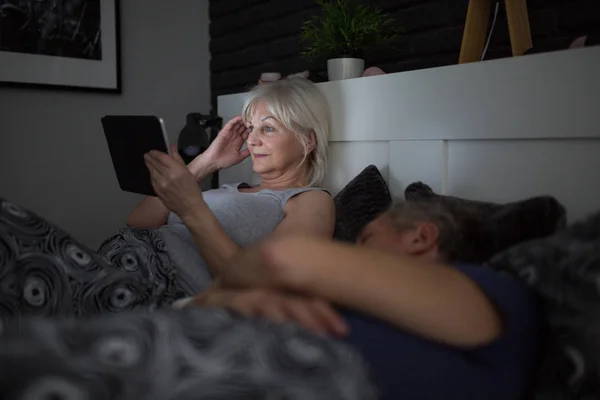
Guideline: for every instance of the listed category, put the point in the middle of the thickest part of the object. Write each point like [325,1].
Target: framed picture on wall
[64,44]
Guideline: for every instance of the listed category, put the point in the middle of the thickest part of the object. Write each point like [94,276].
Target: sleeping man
[427,327]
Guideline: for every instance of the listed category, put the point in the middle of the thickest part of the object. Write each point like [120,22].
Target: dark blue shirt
[406,366]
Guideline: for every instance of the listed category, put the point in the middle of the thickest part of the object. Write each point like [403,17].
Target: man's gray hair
[406,214]
[299,105]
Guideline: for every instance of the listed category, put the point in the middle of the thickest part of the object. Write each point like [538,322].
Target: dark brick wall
[248,37]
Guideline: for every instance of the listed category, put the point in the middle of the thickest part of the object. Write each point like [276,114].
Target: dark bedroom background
[248,37]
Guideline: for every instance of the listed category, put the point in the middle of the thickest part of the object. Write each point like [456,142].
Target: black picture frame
[23,69]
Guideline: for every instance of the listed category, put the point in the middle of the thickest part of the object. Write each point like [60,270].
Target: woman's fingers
[156,180]
[177,157]
[244,154]
[152,171]
[230,125]
[153,166]
[240,128]
[160,159]
[164,169]
[165,163]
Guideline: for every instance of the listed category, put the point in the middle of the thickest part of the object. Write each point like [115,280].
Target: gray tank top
[246,217]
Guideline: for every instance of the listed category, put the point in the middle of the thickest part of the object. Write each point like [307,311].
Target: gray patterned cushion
[564,270]
[488,228]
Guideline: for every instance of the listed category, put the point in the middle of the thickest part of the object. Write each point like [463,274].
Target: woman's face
[274,149]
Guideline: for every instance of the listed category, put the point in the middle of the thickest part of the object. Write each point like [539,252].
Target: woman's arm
[151,213]
[310,213]
[432,300]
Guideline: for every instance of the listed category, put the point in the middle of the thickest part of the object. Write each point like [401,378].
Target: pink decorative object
[578,43]
[303,74]
[275,76]
[269,77]
[372,71]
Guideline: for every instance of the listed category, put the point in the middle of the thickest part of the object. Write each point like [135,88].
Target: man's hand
[313,314]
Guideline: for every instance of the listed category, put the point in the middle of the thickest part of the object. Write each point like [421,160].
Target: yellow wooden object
[476,28]
[518,26]
[475,33]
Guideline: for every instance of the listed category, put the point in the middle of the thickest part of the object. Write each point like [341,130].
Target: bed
[499,132]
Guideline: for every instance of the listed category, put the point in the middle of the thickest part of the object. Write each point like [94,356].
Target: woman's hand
[313,314]
[173,182]
[226,150]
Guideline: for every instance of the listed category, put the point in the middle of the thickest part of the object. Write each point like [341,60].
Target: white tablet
[129,137]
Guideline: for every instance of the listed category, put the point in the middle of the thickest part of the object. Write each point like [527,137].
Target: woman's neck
[281,184]
[284,181]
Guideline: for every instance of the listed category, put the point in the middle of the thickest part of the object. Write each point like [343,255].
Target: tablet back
[129,137]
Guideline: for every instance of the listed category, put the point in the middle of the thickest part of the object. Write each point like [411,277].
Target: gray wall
[53,155]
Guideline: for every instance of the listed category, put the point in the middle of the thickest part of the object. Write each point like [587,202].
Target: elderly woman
[178,243]
[286,126]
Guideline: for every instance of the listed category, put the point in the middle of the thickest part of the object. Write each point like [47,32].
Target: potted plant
[343,32]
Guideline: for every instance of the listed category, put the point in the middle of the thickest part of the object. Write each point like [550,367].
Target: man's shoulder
[493,280]
[514,299]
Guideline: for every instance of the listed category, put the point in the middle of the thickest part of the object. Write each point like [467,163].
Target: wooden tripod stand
[476,26]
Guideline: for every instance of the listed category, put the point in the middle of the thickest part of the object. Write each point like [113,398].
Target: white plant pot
[345,68]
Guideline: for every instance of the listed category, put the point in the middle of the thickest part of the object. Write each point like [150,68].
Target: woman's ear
[311,144]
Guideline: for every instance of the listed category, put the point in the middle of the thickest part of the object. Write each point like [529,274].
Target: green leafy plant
[346,28]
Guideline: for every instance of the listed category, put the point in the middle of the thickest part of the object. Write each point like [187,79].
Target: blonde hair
[300,106]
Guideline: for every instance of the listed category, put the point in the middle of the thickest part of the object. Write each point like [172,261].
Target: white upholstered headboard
[499,130]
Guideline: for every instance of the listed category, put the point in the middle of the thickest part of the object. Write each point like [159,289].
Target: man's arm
[314,314]
[431,300]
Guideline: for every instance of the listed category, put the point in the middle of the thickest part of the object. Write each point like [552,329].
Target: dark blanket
[564,270]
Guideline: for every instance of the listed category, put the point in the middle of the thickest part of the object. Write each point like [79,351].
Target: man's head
[421,229]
